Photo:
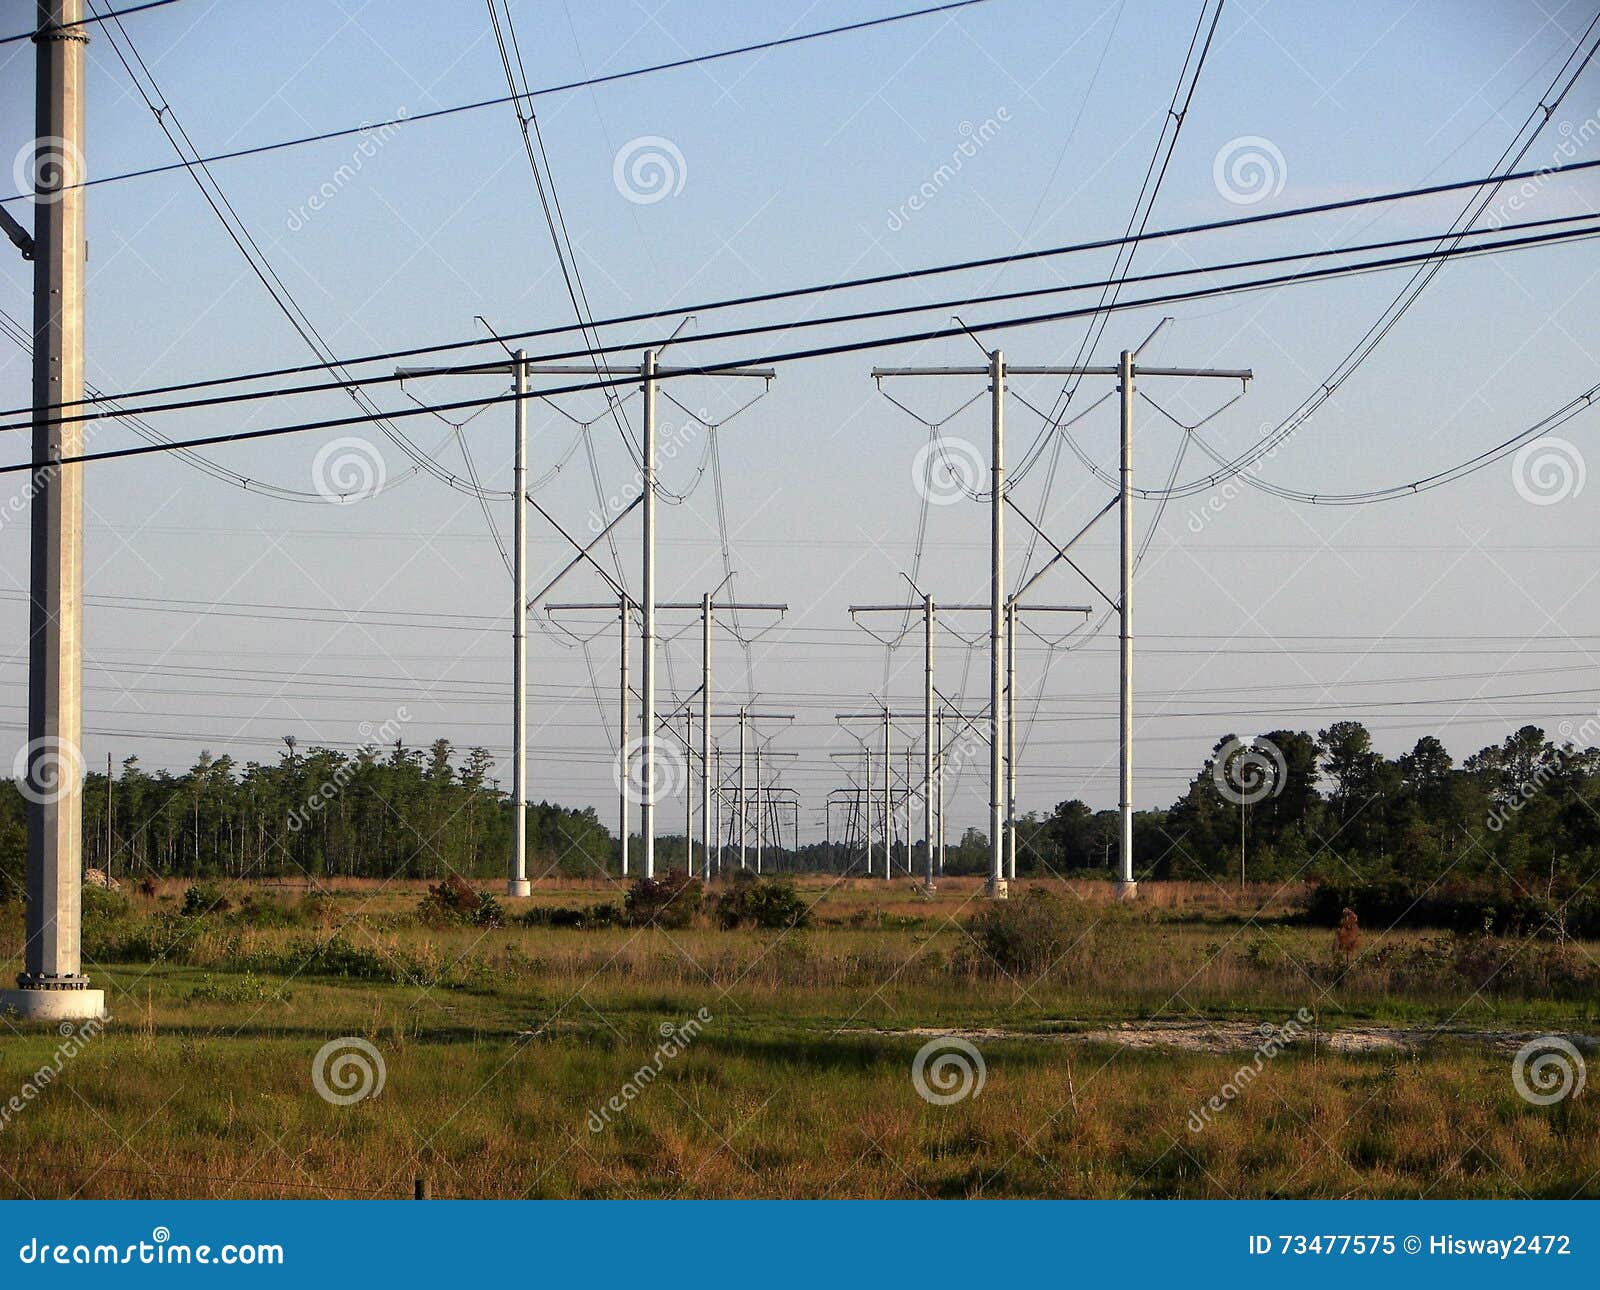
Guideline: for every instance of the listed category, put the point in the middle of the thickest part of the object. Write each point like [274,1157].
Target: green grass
[500,1046]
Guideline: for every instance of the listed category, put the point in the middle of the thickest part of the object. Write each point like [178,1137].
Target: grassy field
[1147,1058]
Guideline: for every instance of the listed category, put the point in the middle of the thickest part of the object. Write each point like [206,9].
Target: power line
[870,315]
[587,83]
[239,233]
[821,351]
[905,275]
[84,22]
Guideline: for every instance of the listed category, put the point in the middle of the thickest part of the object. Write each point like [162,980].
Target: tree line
[1287,804]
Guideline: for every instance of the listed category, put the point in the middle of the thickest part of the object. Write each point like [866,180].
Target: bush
[765,902]
[564,916]
[1022,936]
[452,903]
[100,904]
[669,901]
[201,898]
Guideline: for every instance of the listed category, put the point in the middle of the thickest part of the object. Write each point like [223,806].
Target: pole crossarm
[1097,369]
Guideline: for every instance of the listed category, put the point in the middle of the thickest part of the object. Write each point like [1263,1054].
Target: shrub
[671,900]
[100,904]
[765,902]
[1021,936]
[571,917]
[201,898]
[148,886]
[452,903]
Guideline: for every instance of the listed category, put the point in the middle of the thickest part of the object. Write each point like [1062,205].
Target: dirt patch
[1237,1036]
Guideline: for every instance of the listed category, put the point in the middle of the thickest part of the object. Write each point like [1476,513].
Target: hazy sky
[1463,612]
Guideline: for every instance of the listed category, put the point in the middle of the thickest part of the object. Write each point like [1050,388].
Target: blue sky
[1463,612]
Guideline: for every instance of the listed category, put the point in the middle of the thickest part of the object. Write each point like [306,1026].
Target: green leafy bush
[453,903]
[1021,936]
[201,898]
[671,900]
[763,902]
[595,916]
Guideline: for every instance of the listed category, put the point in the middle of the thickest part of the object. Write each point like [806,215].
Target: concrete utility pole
[624,704]
[1126,371]
[707,608]
[51,984]
[938,721]
[649,373]
[517,884]
[518,368]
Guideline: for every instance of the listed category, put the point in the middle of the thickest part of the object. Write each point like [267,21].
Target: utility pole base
[54,1005]
[518,887]
[1127,890]
[997,889]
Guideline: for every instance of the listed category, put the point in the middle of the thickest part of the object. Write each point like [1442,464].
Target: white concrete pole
[717,757]
[911,868]
[688,792]
[1127,888]
[928,751]
[705,730]
[52,983]
[740,804]
[625,702]
[939,780]
[888,804]
[866,801]
[997,624]
[647,806]
[1011,740]
[761,822]
[517,883]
